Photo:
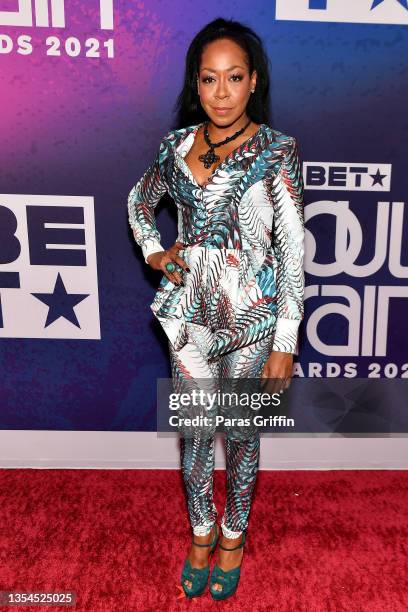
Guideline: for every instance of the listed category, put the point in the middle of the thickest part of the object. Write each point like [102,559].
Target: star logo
[403,3]
[377,178]
[60,303]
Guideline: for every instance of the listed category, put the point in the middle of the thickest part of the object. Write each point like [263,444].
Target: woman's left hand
[278,369]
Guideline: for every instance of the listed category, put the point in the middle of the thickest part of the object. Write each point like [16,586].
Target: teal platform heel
[228,580]
[198,576]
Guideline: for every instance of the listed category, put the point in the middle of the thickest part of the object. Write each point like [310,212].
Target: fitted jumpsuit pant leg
[198,452]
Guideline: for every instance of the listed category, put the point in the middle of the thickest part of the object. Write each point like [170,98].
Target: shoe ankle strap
[236,547]
[197,544]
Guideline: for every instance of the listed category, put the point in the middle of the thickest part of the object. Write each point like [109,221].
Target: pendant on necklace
[209,158]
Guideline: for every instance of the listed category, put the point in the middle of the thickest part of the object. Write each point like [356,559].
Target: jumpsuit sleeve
[142,200]
[288,249]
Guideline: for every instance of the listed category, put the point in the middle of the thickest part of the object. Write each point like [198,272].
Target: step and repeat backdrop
[88,91]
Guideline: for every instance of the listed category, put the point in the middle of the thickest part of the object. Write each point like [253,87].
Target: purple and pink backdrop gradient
[90,126]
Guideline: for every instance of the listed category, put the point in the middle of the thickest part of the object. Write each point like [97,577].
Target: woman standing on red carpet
[231,296]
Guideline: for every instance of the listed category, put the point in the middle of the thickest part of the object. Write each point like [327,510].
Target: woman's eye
[235,77]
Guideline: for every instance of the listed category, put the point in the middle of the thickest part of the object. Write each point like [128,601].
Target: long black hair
[188,108]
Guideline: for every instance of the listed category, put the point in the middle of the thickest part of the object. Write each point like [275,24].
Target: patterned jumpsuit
[243,237]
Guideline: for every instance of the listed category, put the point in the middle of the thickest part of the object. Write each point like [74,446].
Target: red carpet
[317,541]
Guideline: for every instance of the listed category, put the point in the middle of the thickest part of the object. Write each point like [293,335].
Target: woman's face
[224,83]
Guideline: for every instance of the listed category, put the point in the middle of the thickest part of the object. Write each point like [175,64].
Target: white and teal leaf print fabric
[243,232]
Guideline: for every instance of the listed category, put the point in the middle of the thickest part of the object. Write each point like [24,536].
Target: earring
[252,90]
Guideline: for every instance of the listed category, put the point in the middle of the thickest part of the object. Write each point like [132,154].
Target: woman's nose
[222,89]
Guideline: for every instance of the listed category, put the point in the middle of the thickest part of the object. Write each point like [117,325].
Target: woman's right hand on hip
[158,261]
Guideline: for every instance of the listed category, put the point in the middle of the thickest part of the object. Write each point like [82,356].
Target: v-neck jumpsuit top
[243,237]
